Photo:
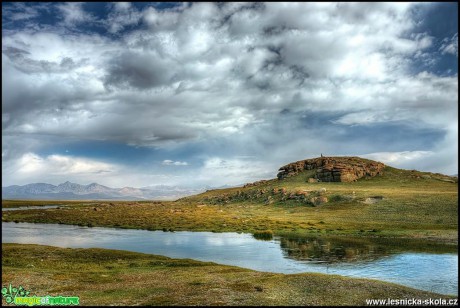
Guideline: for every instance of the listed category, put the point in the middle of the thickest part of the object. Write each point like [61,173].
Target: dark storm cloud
[141,71]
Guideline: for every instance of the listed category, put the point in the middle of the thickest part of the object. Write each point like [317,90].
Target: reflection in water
[331,250]
[418,268]
[348,249]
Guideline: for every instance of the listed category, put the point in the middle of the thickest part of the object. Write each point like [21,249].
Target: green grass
[263,235]
[114,277]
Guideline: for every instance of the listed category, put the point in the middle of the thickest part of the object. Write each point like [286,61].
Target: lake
[364,258]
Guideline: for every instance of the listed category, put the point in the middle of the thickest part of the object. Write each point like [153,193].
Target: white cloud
[450,45]
[398,159]
[233,171]
[168,162]
[31,167]
[55,169]
[122,6]
[123,15]
[431,161]
[21,11]
[31,163]
[73,13]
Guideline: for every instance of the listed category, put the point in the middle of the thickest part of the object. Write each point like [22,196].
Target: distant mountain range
[94,191]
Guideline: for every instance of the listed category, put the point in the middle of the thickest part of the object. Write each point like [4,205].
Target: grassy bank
[112,277]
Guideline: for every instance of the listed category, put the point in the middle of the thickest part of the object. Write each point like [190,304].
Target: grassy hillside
[404,203]
[397,200]
[114,277]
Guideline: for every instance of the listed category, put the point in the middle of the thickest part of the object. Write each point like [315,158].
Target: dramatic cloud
[204,84]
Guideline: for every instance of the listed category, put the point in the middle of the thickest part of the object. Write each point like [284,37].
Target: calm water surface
[421,270]
[33,207]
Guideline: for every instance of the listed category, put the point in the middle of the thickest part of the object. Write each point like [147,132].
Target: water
[36,207]
[420,270]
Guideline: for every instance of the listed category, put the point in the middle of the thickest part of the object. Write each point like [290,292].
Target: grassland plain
[114,277]
[399,203]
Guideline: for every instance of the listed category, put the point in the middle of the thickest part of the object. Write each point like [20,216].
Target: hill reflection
[341,249]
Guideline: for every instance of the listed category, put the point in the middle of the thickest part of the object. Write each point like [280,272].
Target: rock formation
[334,169]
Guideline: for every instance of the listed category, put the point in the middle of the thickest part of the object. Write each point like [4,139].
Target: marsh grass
[263,235]
[115,277]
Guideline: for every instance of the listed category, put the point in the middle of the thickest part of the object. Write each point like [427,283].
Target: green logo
[20,296]
[10,293]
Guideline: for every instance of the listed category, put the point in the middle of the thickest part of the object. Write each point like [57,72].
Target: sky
[212,94]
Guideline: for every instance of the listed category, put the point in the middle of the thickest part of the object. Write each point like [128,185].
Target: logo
[20,296]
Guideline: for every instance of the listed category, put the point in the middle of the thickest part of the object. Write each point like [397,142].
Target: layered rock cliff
[334,169]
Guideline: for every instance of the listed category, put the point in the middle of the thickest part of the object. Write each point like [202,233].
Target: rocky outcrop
[334,169]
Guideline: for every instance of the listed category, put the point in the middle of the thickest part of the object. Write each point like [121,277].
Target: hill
[330,179]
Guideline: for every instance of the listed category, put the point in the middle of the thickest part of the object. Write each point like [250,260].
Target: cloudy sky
[139,94]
